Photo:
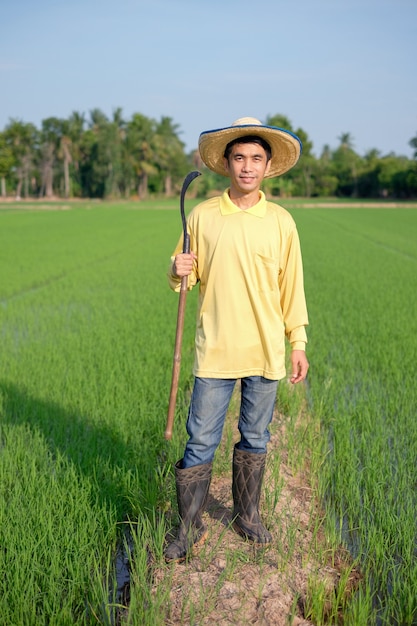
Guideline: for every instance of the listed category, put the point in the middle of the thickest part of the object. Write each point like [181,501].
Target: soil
[231,582]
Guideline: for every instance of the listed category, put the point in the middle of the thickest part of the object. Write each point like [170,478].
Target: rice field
[361,270]
[87,327]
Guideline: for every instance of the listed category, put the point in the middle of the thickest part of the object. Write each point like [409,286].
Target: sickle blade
[187,181]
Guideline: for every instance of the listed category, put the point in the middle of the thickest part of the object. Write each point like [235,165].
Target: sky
[330,66]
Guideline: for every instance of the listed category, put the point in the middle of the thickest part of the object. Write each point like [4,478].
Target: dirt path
[230,582]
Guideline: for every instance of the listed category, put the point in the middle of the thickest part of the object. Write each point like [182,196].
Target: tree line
[111,157]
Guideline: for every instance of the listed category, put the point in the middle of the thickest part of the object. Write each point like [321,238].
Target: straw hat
[285,146]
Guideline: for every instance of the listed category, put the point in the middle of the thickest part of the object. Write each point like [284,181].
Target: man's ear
[268,167]
[226,164]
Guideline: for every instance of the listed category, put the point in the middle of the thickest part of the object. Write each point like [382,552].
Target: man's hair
[249,139]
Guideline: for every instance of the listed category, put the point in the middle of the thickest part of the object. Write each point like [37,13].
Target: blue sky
[330,66]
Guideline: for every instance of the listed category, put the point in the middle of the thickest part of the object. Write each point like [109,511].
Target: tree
[140,140]
[104,160]
[70,152]
[280,121]
[326,154]
[169,153]
[94,167]
[51,135]
[304,170]
[368,182]
[325,182]
[119,180]
[22,139]
[392,176]
[6,163]
[413,144]
[110,156]
[111,148]
[298,181]
[346,163]
[346,141]
[412,174]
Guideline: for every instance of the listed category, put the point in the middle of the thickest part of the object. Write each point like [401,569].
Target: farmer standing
[245,255]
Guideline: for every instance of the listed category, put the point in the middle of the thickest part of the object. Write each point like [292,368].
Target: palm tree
[114,139]
[326,153]
[346,163]
[413,144]
[76,124]
[104,154]
[169,153]
[6,162]
[69,151]
[22,139]
[140,140]
[346,141]
[65,153]
[94,164]
[51,135]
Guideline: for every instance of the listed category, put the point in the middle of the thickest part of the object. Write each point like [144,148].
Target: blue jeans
[209,403]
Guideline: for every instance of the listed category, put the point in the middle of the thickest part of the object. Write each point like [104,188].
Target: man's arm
[294,306]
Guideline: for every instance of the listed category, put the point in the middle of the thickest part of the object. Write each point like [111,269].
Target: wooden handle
[176,366]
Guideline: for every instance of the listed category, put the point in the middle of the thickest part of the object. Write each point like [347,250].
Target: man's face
[247,166]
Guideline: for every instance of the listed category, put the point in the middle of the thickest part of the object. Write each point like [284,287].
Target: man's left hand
[299,365]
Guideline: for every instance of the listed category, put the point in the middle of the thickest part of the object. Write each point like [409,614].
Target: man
[245,255]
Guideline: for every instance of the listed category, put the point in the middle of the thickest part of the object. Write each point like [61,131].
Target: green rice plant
[144,552]
[86,338]
[316,606]
[360,274]
[360,609]
[273,485]
[87,327]
[209,550]
[48,515]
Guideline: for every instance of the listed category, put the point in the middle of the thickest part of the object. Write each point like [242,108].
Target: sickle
[181,311]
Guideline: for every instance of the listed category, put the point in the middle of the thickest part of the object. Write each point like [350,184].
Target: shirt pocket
[266,269]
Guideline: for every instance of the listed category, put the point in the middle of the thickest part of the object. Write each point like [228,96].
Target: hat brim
[285,146]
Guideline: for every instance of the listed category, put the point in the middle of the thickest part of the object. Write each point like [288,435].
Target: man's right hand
[183,264]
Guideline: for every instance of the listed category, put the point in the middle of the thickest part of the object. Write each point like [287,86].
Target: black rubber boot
[192,489]
[248,472]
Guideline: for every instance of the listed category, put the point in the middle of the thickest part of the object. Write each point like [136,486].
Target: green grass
[87,327]
[361,281]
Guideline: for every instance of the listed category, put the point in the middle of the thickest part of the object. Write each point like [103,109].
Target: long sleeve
[291,284]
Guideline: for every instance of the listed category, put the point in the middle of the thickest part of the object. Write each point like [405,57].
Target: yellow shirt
[251,291]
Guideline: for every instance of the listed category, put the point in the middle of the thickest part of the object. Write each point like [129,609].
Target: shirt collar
[227,207]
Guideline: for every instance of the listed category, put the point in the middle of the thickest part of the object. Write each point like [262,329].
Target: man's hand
[183,264]
[299,365]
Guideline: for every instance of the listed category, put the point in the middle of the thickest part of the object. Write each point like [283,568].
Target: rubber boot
[248,472]
[192,489]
